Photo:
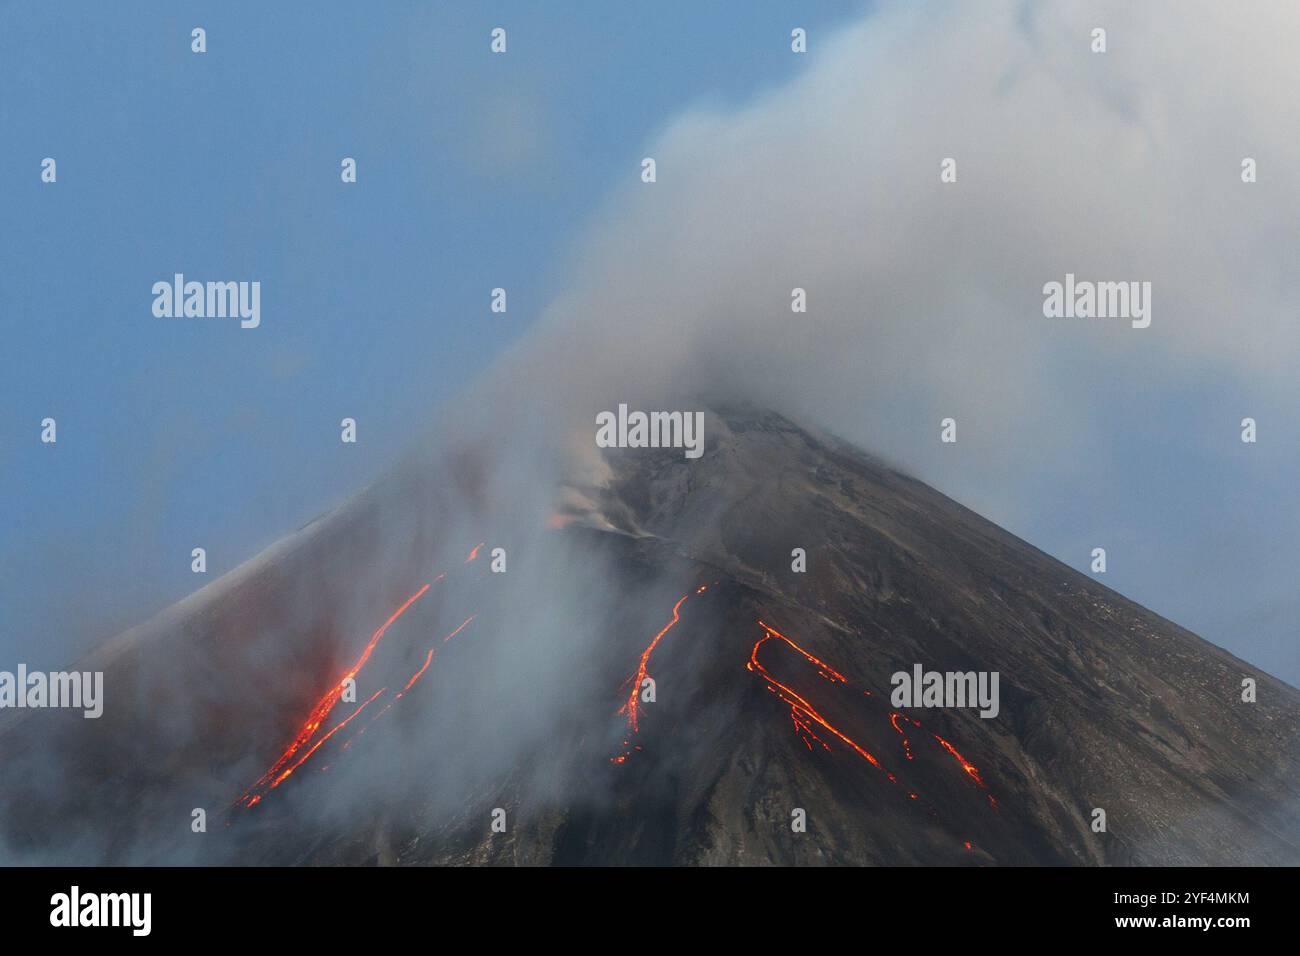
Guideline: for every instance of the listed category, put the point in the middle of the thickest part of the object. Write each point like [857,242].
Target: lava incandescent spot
[967,767]
[894,718]
[971,770]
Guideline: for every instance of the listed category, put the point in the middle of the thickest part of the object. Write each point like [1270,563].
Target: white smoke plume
[925,299]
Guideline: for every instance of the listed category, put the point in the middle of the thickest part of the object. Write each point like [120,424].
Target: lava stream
[334,730]
[417,675]
[633,697]
[804,715]
[825,669]
[629,707]
[800,710]
[971,770]
[325,705]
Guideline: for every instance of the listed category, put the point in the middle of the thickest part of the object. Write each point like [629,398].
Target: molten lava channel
[320,713]
[808,720]
[294,755]
[630,708]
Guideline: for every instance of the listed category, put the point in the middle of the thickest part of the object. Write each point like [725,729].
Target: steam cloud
[925,299]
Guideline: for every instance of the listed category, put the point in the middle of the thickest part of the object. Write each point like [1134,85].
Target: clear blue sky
[475,171]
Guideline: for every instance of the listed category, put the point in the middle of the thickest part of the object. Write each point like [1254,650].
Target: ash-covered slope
[771,690]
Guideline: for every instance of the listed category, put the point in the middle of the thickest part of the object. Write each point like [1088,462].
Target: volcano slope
[652,683]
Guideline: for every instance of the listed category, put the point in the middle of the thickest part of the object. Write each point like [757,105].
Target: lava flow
[629,708]
[418,674]
[323,708]
[801,712]
[316,746]
[805,716]
[971,770]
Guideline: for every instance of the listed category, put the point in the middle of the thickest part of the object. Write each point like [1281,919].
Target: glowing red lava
[893,719]
[634,696]
[316,746]
[630,706]
[801,711]
[323,707]
[825,669]
[971,770]
[805,716]
[417,675]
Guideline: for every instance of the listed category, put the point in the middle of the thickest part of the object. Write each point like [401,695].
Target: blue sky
[474,171]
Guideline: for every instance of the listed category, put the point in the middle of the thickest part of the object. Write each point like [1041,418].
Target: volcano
[641,675]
